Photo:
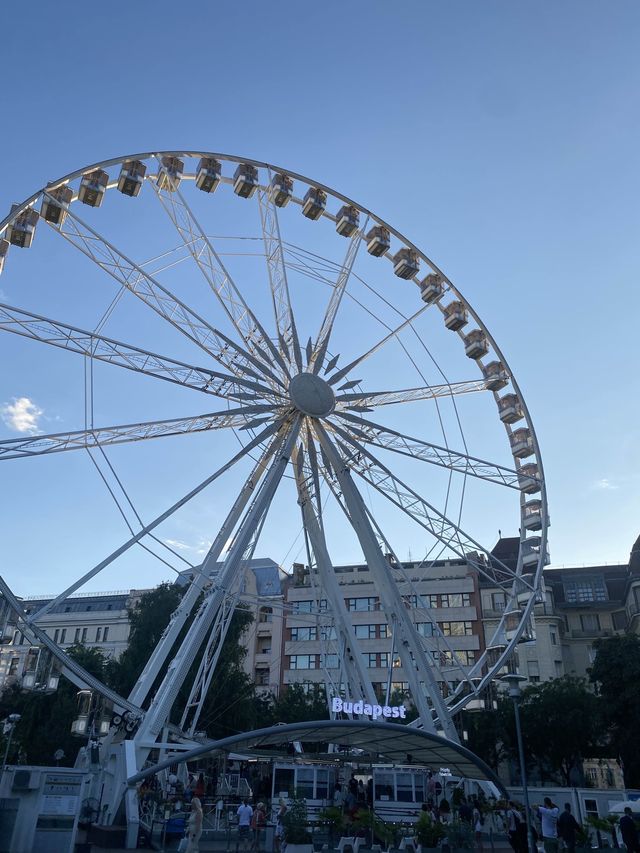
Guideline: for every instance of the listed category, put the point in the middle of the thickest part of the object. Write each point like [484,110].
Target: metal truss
[322,341]
[364,401]
[78,584]
[364,463]
[167,692]
[389,439]
[161,300]
[350,656]
[110,351]
[39,445]
[415,664]
[285,320]
[215,273]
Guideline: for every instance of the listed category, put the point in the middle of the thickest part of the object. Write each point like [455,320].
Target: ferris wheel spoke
[157,297]
[246,450]
[95,346]
[393,333]
[370,469]
[389,439]
[365,401]
[322,341]
[276,268]
[43,445]
[217,276]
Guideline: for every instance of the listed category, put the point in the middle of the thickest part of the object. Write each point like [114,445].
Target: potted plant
[333,817]
[459,836]
[429,832]
[295,822]
[583,840]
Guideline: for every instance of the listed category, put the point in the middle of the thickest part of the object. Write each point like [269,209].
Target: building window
[56,635]
[331,661]
[63,636]
[590,621]
[426,629]
[362,604]
[498,601]
[533,670]
[310,633]
[466,657]
[98,635]
[365,632]
[456,629]
[620,620]
[455,599]
[303,661]
[105,634]
[583,590]
[262,676]
[383,631]
[84,635]
[558,666]
[554,638]
[76,638]
[328,632]
[13,666]
[266,614]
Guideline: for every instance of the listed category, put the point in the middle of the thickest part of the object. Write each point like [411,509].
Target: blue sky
[501,138]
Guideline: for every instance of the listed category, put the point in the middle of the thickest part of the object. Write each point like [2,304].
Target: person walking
[548,814]
[629,831]
[278,840]
[567,828]
[245,813]
[194,826]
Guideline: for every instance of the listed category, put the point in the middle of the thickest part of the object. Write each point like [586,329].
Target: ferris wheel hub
[311,395]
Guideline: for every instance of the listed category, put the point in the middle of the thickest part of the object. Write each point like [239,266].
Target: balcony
[579,634]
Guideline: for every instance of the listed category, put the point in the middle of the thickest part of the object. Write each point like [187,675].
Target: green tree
[297,705]
[616,675]
[45,724]
[148,619]
[562,724]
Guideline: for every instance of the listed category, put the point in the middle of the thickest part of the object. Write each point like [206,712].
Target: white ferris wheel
[316,368]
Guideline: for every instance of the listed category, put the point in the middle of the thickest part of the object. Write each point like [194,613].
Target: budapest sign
[362,708]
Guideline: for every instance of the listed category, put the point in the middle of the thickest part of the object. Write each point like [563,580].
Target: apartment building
[445,593]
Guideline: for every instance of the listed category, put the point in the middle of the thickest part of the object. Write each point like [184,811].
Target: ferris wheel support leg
[414,662]
[357,681]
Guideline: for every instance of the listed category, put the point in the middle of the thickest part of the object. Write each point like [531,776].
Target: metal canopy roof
[376,742]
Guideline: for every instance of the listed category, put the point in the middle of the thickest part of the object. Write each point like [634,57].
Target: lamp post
[512,680]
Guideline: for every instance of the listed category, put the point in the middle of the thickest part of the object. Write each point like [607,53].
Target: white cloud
[22,415]
[177,544]
[605,485]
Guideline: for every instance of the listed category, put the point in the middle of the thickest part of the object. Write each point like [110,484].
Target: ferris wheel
[330,383]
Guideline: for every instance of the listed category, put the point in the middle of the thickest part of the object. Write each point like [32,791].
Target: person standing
[478,823]
[629,831]
[258,824]
[194,826]
[567,828]
[245,813]
[516,829]
[548,814]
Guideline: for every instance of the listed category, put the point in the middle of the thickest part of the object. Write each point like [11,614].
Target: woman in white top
[477,826]
[194,826]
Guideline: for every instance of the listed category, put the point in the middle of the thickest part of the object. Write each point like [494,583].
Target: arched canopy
[375,742]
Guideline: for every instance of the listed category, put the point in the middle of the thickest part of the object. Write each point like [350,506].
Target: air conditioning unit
[25,780]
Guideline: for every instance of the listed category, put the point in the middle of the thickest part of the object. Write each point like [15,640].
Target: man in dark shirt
[629,831]
[567,828]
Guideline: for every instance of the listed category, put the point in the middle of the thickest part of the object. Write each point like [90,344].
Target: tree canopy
[616,675]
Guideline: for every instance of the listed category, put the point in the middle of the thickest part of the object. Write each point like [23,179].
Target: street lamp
[9,726]
[513,680]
